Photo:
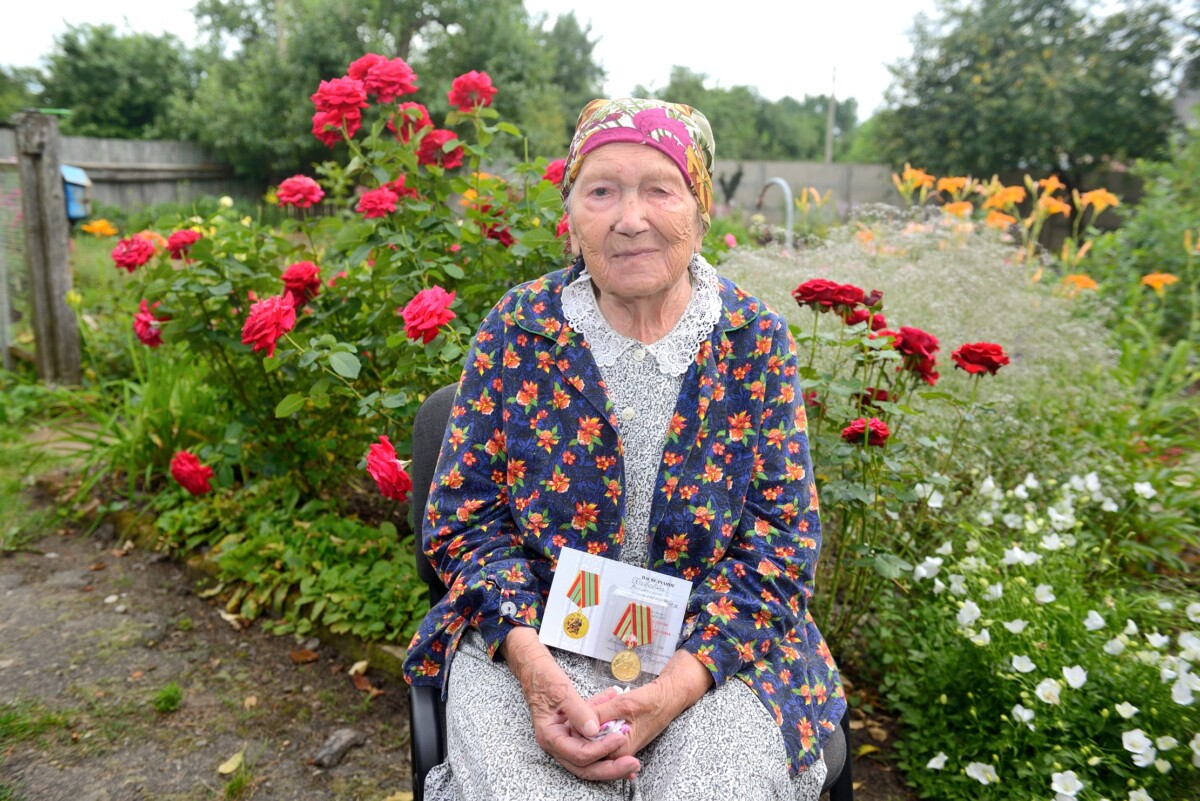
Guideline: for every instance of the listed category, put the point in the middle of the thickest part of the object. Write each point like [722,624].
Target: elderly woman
[637,406]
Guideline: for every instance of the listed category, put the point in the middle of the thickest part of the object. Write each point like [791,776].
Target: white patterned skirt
[725,746]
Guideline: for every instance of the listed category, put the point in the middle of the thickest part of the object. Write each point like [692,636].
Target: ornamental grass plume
[269,320]
[299,191]
[132,253]
[471,90]
[388,471]
[190,473]
[180,242]
[427,312]
[147,326]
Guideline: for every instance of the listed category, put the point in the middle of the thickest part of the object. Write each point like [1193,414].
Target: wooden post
[46,237]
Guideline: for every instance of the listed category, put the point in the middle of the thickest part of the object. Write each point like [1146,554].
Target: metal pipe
[788,207]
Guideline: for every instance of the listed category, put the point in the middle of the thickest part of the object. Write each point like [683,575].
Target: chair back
[429,429]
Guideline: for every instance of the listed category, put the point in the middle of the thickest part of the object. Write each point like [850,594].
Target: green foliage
[18,90]
[168,699]
[997,85]
[24,720]
[116,84]
[747,126]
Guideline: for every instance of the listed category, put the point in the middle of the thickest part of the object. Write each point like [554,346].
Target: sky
[780,48]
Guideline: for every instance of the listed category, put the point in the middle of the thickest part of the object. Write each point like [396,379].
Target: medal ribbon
[636,626]
[585,589]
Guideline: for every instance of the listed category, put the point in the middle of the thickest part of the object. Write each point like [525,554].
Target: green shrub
[168,698]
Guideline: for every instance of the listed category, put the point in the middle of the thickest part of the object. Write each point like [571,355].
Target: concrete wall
[851,184]
[132,173]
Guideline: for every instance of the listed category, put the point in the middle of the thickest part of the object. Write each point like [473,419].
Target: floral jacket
[532,462]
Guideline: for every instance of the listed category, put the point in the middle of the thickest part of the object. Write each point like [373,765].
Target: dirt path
[91,638]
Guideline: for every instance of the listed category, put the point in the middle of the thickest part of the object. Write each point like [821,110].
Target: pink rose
[299,191]
[408,119]
[471,90]
[269,320]
[147,326]
[377,202]
[346,95]
[132,253]
[327,125]
[302,281]
[180,242]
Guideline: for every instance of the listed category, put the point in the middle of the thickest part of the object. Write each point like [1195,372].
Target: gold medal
[626,666]
[575,625]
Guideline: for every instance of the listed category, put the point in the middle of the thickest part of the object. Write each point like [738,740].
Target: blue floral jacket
[532,462]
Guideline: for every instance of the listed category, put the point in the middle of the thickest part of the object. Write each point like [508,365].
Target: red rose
[327,125]
[147,326]
[471,90]
[269,320]
[408,119]
[377,202]
[976,357]
[385,468]
[430,150]
[426,313]
[554,172]
[335,279]
[191,475]
[855,316]
[387,79]
[870,396]
[400,189]
[563,228]
[918,348]
[811,399]
[180,242]
[346,95]
[303,282]
[359,68]
[132,253]
[874,431]
[492,230]
[299,191]
[823,295]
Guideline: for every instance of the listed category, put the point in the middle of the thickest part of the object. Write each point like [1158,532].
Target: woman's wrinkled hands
[563,722]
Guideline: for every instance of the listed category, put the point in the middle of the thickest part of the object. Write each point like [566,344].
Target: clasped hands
[564,722]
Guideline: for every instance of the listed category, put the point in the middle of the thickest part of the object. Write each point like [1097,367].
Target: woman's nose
[631,214]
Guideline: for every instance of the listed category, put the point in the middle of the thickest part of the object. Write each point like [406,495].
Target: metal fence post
[46,239]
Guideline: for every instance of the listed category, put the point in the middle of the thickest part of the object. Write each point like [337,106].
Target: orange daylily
[952,184]
[154,238]
[962,209]
[1099,199]
[1157,281]
[998,219]
[1079,281]
[1004,197]
[99,227]
[916,177]
[1051,185]
[1053,205]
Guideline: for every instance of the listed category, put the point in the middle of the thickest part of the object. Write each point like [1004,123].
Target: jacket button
[628,413]
[508,609]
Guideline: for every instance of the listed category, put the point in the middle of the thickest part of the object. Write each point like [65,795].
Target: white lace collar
[675,351]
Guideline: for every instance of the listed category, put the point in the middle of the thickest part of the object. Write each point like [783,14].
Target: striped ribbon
[635,627]
[585,589]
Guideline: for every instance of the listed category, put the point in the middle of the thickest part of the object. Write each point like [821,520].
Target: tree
[1034,85]
[266,57]
[18,89]
[747,126]
[115,84]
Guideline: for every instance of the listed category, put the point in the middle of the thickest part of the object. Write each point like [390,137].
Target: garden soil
[91,633]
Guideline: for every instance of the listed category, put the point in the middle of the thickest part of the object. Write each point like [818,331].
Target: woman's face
[634,220]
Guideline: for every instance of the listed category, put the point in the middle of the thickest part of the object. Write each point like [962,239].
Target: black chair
[427,713]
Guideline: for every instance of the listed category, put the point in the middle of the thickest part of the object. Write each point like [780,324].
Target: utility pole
[280,39]
[829,120]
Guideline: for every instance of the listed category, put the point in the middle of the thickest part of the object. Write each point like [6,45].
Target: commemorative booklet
[626,617]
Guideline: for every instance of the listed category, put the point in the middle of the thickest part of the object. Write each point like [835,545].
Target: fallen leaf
[877,732]
[359,668]
[250,702]
[864,749]
[137,674]
[232,764]
[303,657]
[237,621]
[211,591]
[857,785]
[855,725]
[403,795]
[97,566]
[363,684]
[100,693]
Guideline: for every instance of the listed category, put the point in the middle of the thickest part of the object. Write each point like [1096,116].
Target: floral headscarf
[679,132]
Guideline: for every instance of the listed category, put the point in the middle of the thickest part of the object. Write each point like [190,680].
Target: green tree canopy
[748,126]
[1036,85]
[116,84]
[19,87]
